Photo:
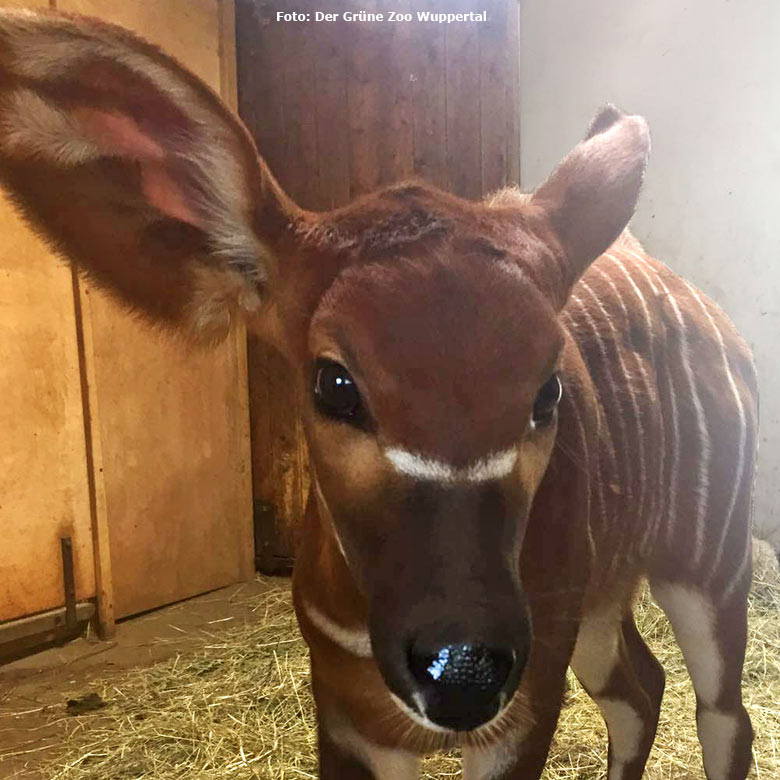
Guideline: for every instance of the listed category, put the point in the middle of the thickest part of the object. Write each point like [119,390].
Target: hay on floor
[242,708]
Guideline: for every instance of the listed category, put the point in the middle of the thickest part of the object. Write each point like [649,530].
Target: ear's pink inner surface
[119,135]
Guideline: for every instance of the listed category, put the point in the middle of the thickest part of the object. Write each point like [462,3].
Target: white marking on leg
[692,616]
[494,466]
[717,735]
[616,771]
[704,459]
[742,433]
[596,651]
[601,430]
[384,763]
[354,640]
[626,728]
[486,763]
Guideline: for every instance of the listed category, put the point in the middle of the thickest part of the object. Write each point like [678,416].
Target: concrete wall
[706,74]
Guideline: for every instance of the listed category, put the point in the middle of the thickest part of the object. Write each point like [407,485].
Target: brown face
[431,419]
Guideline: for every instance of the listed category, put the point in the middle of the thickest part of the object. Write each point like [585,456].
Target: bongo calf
[514,414]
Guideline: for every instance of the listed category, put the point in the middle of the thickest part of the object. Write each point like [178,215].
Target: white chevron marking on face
[493,466]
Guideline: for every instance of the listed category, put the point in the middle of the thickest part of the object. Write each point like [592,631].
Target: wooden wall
[43,470]
[113,433]
[341,108]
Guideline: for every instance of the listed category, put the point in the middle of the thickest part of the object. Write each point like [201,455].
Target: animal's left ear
[590,197]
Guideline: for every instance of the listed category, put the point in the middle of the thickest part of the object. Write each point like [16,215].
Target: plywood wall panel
[172,422]
[43,465]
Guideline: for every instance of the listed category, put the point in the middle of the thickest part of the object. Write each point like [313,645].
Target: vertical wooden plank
[512,92]
[493,72]
[279,470]
[395,123]
[261,50]
[279,457]
[429,89]
[229,92]
[364,46]
[104,581]
[298,72]
[464,158]
[228,75]
[332,116]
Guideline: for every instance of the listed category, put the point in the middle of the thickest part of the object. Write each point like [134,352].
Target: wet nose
[461,684]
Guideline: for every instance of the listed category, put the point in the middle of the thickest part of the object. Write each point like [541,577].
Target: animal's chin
[459,727]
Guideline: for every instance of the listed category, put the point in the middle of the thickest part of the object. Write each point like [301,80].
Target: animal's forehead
[448,349]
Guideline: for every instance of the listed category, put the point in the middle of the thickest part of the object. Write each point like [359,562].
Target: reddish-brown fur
[450,316]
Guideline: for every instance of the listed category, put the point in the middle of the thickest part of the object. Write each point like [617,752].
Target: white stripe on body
[611,447]
[494,466]
[640,430]
[747,559]
[646,381]
[742,435]
[668,498]
[654,519]
[704,459]
[581,429]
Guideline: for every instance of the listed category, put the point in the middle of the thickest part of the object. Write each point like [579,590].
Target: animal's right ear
[136,171]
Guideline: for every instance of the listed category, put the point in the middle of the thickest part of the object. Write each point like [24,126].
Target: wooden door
[171,423]
[340,108]
[43,461]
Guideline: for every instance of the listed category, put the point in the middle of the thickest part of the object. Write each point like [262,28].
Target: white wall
[706,74]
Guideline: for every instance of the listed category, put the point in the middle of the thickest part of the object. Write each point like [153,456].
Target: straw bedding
[241,708]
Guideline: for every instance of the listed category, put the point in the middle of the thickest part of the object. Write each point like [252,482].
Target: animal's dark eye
[547,400]
[335,393]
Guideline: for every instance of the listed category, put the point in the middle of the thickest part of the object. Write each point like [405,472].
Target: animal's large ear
[136,171]
[590,197]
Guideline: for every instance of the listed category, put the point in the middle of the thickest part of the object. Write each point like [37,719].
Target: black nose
[461,684]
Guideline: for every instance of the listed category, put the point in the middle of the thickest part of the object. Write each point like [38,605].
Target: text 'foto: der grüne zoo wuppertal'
[386,16]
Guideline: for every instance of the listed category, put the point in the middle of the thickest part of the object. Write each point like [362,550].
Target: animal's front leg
[521,752]
[517,756]
[351,757]
[345,754]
